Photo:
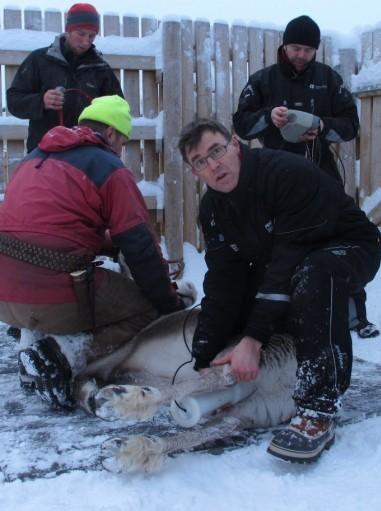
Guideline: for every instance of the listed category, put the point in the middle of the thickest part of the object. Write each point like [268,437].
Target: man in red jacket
[73,188]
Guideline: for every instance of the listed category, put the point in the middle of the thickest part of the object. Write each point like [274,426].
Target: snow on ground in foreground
[345,479]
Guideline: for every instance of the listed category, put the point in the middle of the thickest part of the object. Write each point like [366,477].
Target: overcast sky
[332,15]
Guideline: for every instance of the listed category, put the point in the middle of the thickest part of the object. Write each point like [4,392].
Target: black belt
[41,256]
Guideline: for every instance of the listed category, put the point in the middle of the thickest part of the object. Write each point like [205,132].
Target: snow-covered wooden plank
[131,62]
[255,49]
[365,147]
[12,128]
[271,45]
[223,102]
[131,90]
[173,165]
[203,68]
[53,21]
[151,93]
[239,38]
[32,19]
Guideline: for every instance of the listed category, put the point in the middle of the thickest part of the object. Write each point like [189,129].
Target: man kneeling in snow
[63,197]
[285,248]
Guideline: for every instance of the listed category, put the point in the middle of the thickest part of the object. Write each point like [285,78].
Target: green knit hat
[110,110]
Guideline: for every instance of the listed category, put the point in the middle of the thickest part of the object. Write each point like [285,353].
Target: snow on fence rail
[171,72]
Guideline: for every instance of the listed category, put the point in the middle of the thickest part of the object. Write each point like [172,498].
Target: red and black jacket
[65,195]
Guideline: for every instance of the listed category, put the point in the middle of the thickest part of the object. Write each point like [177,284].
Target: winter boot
[14,332]
[365,329]
[45,370]
[303,440]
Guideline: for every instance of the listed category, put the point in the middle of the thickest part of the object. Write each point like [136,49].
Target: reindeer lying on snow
[147,367]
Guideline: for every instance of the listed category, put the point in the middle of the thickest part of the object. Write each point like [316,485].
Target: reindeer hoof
[110,455]
[135,453]
[115,402]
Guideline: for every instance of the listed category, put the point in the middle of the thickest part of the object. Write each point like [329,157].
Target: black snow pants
[321,287]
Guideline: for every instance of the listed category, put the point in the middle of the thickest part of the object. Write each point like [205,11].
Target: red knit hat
[82,16]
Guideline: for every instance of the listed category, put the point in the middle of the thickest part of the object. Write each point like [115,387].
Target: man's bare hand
[311,134]
[279,116]
[53,99]
[244,359]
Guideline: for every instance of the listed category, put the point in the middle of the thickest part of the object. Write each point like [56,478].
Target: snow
[369,78]
[347,477]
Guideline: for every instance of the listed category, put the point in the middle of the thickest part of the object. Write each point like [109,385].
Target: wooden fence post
[131,90]
[53,21]
[271,45]
[150,109]
[173,166]
[203,68]
[256,49]
[32,19]
[365,147]
[191,186]
[239,61]
[347,150]
[15,149]
[223,103]
[366,47]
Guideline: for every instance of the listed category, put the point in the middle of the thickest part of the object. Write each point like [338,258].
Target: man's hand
[244,359]
[311,134]
[279,116]
[53,99]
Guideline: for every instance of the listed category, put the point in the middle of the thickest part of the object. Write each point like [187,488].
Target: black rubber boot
[45,370]
[14,332]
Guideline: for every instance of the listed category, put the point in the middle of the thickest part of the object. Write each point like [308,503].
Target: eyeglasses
[216,153]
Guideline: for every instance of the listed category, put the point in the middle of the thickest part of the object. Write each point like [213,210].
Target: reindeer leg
[141,402]
[115,402]
[84,391]
[139,453]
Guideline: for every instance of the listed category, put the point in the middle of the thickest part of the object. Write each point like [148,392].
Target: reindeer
[155,369]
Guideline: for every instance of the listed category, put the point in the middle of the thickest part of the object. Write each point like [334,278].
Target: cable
[185,342]
[190,351]
[341,163]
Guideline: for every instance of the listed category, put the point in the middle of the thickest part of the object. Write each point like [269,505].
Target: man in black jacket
[285,248]
[298,82]
[53,85]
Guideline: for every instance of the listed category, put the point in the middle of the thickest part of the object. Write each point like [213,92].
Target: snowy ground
[346,478]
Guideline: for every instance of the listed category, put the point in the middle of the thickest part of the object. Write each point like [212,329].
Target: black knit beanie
[302,30]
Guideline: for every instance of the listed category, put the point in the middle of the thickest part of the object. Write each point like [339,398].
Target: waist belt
[41,256]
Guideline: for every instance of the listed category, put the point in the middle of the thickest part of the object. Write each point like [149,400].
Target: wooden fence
[370,132]
[200,73]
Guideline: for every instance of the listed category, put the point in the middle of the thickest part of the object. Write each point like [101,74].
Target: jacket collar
[60,139]
[58,51]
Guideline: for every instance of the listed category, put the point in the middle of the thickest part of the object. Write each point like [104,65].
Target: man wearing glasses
[285,248]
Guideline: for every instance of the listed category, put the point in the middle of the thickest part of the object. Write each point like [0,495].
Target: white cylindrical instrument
[188,411]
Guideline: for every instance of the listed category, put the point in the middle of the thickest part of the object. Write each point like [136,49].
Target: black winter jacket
[48,68]
[318,90]
[283,208]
